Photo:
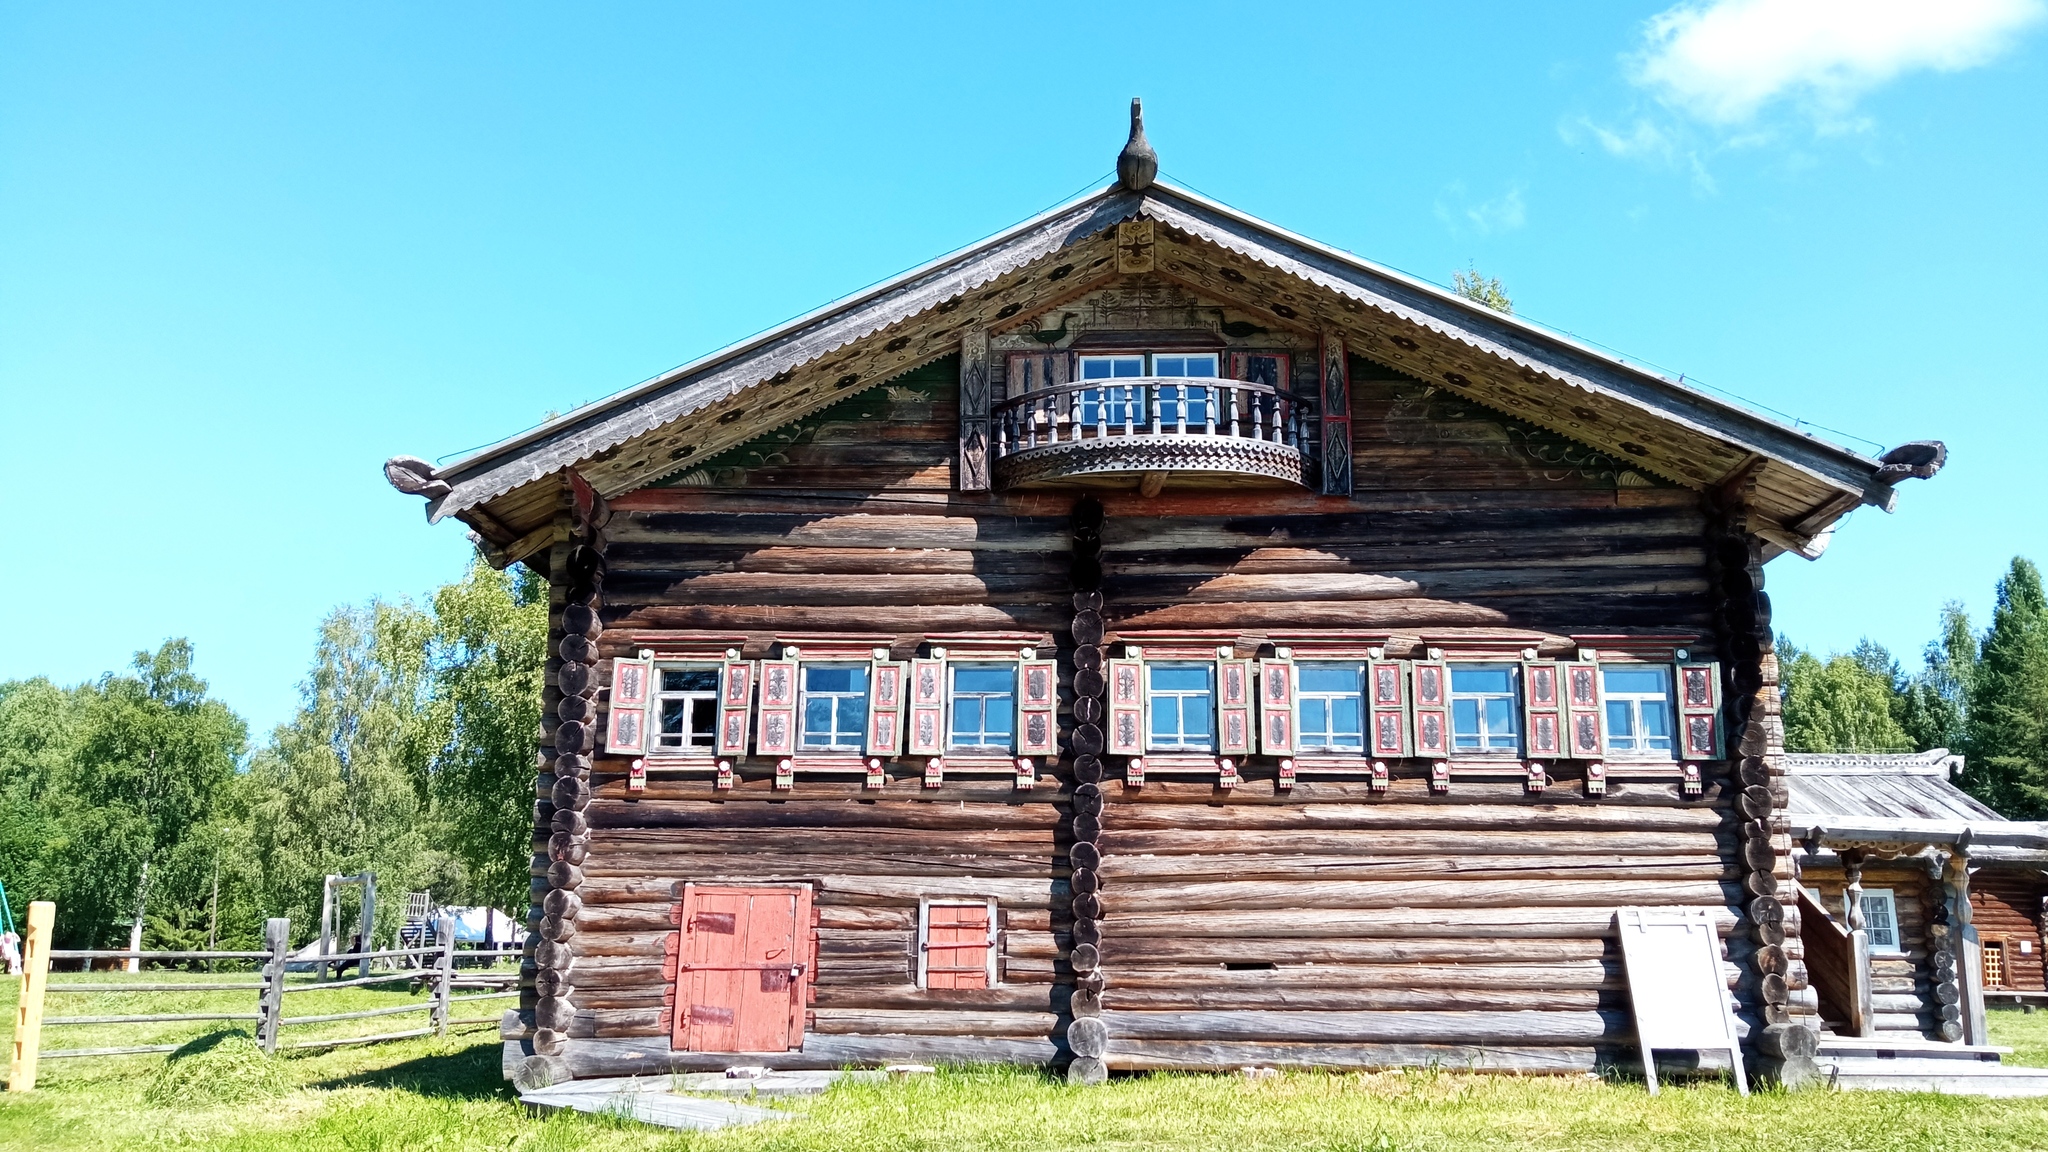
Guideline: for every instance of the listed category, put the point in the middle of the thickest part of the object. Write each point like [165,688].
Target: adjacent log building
[1145,639]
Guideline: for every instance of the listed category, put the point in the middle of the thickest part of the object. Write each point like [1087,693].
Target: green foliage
[1845,704]
[102,784]
[2008,701]
[482,657]
[1480,289]
[1936,703]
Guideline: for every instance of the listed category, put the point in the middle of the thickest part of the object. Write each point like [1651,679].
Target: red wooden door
[742,969]
[957,938]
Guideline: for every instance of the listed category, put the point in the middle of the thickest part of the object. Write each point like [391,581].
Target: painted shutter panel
[1699,710]
[1126,707]
[1585,720]
[1543,709]
[958,938]
[1234,707]
[925,735]
[1276,707]
[735,698]
[1387,700]
[885,708]
[631,689]
[1038,697]
[775,734]
[1430,681]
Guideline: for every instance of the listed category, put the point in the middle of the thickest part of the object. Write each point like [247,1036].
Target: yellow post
[28,1015]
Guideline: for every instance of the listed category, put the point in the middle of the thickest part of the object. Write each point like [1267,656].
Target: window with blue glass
[984,706]
[1183,706]
[1176,400]
[835,707]
[1638,710]
[1111,404]
[1332,703]
[1485,709]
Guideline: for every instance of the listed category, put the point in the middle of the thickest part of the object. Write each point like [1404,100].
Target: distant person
[10,951]
[354,945]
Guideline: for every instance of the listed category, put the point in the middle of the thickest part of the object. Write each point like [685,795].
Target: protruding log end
[414,477]
[1137,165]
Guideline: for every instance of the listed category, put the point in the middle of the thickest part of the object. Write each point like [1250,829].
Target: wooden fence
[432,964]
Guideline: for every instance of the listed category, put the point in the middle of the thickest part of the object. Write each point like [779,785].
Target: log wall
[1318,926]
[2006,903]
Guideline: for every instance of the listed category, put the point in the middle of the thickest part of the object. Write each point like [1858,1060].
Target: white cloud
[1723,60]
[1503,213]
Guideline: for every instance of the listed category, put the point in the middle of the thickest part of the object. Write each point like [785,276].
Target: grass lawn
[447,1095]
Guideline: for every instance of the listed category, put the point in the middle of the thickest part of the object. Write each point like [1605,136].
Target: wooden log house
[1921,903]
[1149,639]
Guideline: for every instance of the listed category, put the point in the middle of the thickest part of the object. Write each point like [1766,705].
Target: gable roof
[1798,485]
[1901,797]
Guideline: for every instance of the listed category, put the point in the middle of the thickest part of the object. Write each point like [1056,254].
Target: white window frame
[1180,713]
[953,696]
[1302,696]
[1098,404]
[1635,701]
[657,746]
[924,933]
[1488,746]
[804,696]
[1890,903]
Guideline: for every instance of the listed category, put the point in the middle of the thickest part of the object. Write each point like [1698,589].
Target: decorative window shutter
[775,734]
[1038,697]
[1276,707]
[1543,709]
[1699,710]
[925,735]
[885,707]
[735,698]
[631,690]
[1126,708]
[1234,707]
[1431,683]
[1387,701]
[1585,718]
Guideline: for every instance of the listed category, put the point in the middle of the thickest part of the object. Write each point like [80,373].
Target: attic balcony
[1145,427]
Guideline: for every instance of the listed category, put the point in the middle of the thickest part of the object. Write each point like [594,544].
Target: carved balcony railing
[1151,424]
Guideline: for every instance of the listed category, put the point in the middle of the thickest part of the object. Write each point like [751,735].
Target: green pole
[6,910]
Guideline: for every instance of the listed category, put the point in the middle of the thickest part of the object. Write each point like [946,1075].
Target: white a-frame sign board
[1677,985]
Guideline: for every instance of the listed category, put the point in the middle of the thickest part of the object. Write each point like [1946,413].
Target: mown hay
[218,1068]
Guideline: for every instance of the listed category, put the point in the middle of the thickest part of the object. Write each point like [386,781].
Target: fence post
[277,933]
[444,978]
[28,1015]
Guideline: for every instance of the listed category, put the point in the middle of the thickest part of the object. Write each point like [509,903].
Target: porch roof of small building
[1904,798]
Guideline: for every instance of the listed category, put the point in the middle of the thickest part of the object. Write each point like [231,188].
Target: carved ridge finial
[414,477]
[1137,164]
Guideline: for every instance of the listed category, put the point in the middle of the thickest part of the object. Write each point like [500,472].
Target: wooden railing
[1130,407]
[1838,964]
[431,966]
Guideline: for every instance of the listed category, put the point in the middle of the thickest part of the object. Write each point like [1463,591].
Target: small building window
[1880,920]
[956,946]
[1638,709]
[1117,406]
[1183,704]
[1332,708]
[1485,709]
[686,702]
[1994,963]
[835,704]
[984,706]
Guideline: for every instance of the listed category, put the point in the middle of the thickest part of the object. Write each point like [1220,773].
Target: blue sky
[247,253]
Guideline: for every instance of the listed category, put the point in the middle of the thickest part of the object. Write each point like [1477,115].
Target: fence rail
[436,968]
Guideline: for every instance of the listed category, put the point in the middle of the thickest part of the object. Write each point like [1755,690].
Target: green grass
[2026,1033]
[447,1095]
